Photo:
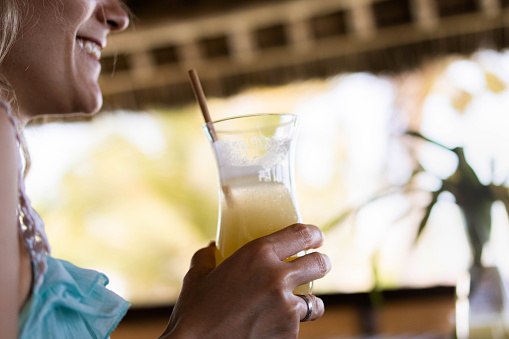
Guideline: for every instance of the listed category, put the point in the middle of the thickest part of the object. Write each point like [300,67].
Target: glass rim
[254,115]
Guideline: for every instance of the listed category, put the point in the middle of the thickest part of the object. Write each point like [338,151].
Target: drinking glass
[255,160]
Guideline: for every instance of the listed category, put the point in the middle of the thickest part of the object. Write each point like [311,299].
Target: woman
[49,64]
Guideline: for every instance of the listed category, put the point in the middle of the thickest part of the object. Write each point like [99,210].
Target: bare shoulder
[9,158]
[9,246]
[8,149]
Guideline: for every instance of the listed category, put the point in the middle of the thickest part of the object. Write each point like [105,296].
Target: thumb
[204,260]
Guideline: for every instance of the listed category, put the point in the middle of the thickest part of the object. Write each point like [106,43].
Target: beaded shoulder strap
[30,224]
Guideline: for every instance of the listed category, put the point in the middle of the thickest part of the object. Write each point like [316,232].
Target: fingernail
[327,260]
[322,235]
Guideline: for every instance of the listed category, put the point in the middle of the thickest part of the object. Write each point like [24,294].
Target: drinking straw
[200,97]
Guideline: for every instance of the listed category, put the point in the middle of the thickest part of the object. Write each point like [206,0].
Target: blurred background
[404,109]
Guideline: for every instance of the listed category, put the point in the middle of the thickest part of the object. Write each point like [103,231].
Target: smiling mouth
[90,47]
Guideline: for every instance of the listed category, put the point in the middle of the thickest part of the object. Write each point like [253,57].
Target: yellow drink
[253,209]
[254,155]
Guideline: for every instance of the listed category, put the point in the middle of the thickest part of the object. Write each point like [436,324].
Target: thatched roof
[238,44]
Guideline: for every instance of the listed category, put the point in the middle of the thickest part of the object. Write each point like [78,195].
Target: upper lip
[95,41]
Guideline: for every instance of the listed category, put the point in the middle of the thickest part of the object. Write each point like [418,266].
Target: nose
[113,14]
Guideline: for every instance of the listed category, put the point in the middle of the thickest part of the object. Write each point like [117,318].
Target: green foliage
[145,215]
[474,199]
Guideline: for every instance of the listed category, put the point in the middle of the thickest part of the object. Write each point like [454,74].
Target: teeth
[91,48]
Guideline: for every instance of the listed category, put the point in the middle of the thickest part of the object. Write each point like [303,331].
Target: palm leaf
[427,213]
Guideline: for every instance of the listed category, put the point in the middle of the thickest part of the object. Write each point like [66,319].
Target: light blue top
[67,302]
[71,303]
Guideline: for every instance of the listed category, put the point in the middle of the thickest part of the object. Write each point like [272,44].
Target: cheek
[50,19]
[47,73]
[76,12]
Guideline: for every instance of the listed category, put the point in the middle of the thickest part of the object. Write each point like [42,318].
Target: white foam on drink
[255,152]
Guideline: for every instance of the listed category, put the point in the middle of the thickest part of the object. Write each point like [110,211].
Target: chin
[93,108]
[82,107]
[89,104]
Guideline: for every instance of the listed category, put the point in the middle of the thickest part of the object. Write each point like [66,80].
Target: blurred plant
[474,199]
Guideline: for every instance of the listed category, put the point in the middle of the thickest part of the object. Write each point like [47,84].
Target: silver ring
[309,304]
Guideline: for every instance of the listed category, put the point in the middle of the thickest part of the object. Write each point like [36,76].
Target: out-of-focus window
[134,194]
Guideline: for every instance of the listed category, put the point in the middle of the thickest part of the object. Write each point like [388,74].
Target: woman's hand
[249,295]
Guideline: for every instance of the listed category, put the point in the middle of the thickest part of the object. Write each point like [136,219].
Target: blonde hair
[10,20]
[9,25]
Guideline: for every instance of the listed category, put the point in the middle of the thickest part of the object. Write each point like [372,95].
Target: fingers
[202,263]
[288,242]
[307,268]
[294,239]
[311,307]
